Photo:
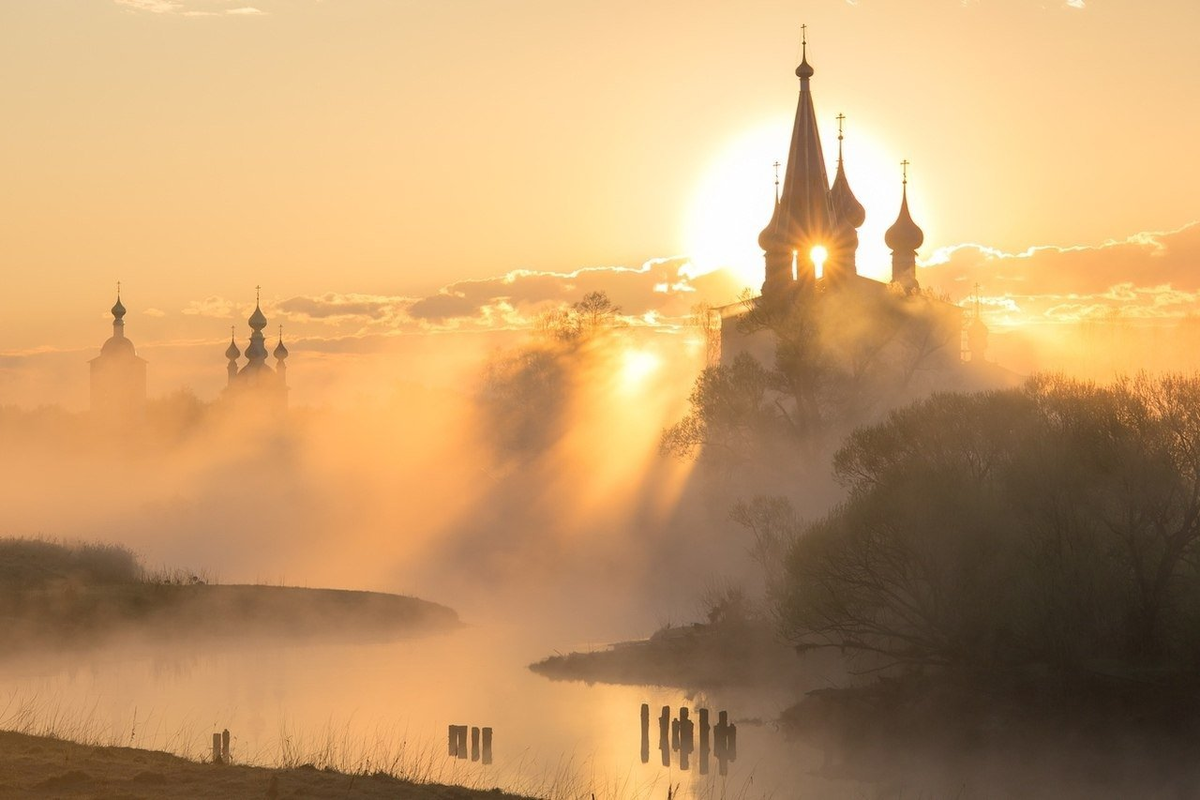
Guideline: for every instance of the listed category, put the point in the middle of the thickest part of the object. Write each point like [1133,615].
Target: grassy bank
[59,595]
[39,767]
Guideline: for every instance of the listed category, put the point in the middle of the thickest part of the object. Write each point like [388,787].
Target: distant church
[118,377]
[118,374]
[810,246]
[256,380]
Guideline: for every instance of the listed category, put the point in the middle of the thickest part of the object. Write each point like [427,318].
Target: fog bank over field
[402,485]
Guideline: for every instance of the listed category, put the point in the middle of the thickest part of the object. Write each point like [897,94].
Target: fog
[398,482]
[517,479]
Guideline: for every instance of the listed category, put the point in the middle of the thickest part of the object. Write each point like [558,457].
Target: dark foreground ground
[36,767]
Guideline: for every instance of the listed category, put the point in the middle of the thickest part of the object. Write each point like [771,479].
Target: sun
[636,367]
[733,200]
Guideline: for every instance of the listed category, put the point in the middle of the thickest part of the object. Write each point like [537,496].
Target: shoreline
[40,766]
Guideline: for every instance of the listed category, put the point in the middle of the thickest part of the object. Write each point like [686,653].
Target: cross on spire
[905,164]
[257,295]
[118,290]
[776,165]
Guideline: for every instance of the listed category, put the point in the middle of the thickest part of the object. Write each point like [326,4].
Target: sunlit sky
[387,148]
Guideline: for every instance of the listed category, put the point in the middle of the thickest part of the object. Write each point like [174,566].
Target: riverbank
[60,596]
[39,767]
[693,657]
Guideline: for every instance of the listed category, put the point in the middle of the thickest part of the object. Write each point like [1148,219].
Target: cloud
[1075,4]
[1149,276]
[217,307]
[190,8]
[336,308]
[659,291]
[154,312]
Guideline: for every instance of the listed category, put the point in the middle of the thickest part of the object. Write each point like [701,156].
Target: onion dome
[258,320]
[232,352]
[804,71]
[280,352]
[773,237]
[904,235]
[845,205]
[118,311]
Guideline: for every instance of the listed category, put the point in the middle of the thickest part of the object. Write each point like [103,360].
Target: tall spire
[803,217]
[903,238]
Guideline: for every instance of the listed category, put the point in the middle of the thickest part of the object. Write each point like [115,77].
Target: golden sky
[356,156]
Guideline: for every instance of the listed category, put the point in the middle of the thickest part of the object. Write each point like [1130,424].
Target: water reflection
[387,705]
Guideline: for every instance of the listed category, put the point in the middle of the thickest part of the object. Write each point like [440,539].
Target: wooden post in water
[731,747]
[645,733]
[721,742]
[462,741]
[216,748]
[675,734]
[704,748]
[487,745]
[474,744]
[225,759]
[664,736]
[452,741]
[686,742]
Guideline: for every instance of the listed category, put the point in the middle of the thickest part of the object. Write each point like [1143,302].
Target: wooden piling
[216,748]
[487,745]
[645,733]
[462,741]
[704,745]
[686,740]
[721,742]
[731,747]
[452,741]
[664,735]
[474,744]
[225,759]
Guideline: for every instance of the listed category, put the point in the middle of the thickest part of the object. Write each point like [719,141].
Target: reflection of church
[810,246]
[118,374]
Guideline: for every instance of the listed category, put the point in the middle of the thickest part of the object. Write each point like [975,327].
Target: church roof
[803,211]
